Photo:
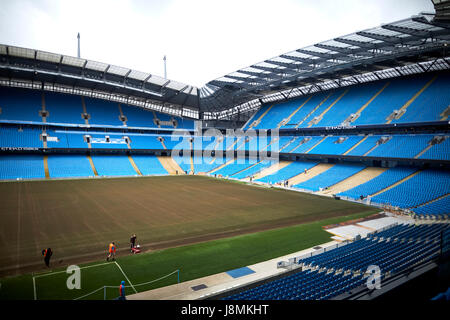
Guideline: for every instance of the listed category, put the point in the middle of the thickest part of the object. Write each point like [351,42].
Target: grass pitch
[194,261]
[78,218]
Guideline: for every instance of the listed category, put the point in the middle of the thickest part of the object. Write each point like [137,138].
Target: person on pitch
[111,251]
[122,291]
[47,253]
[133,242]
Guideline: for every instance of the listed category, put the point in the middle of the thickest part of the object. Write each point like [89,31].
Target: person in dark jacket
[47,253]
[133,242]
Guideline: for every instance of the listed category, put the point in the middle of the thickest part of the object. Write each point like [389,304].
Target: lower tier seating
[21,167]
[343,269]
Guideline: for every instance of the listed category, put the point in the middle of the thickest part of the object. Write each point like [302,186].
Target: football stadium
[319,174]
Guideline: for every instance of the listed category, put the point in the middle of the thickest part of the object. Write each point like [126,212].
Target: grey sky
[203,39]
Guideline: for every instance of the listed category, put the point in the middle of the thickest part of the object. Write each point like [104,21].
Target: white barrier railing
[104,288]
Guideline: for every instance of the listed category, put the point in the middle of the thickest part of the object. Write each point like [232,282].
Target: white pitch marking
[34,289]
[126,277]
[52,273]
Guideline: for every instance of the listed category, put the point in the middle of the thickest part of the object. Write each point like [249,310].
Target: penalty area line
[65,271]
[118,266]
[51,273]
[34,288]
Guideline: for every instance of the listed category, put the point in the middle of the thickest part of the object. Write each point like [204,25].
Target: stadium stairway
[316,120]
[135,167]
[402,110]
[313,110]
[43,112]
[161,139]
[257,121]
[44,142]
[444,115]
[266,147]
[92,165]
[46,170]
[311,173]
[251,166]
[191,146]
[221,166]
[288,144]
[357,179]
[396,184]
[358,113]
[431,201]
[309,150]
[357,144]
[435,141]
[270,170]
[155,119]
[423,151]
[379,142]
[86,120]
[235,142]
[286,120]
[122,116]
[218,144]
[171,166]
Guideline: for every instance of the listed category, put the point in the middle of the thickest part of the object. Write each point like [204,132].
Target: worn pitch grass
[78,218]
[193,261]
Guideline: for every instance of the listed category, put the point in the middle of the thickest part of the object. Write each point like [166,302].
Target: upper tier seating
[103,112]
[307,106]
[63,108]
[417,98]
[19,105]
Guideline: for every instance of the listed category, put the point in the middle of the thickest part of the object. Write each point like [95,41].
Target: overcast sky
[203,39]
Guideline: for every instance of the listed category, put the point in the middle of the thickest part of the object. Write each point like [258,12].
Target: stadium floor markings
[125,276]
[34,289]
[63,271]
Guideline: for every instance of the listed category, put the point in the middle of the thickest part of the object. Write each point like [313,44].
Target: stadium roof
[409,42]
[55,70]
[414,45]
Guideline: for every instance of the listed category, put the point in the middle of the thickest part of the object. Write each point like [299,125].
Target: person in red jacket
[122,291]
